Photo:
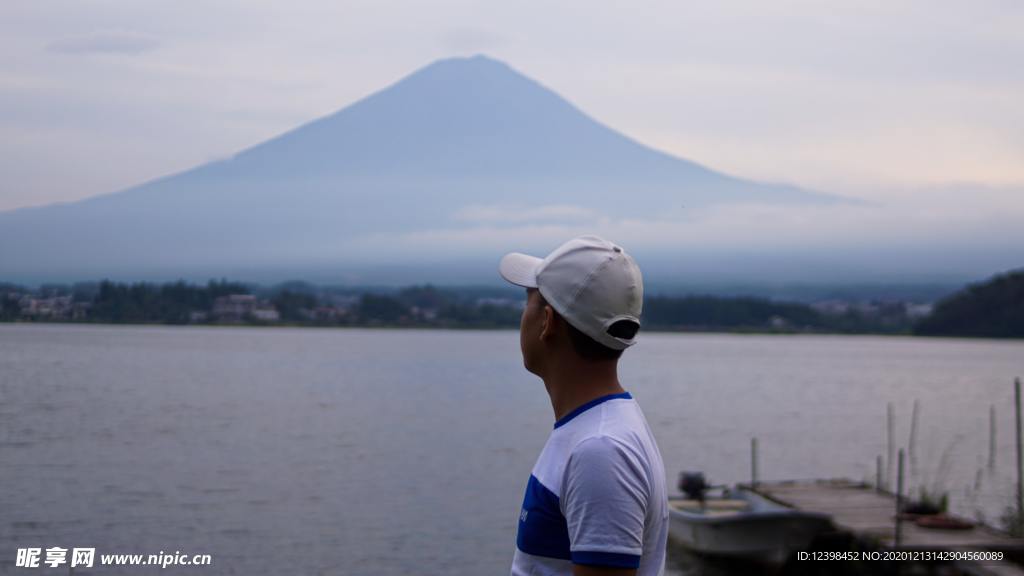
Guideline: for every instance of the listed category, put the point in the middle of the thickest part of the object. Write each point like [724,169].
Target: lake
[350,451]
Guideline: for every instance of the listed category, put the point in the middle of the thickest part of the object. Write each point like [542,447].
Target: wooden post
[1020,480]
[753,462]
[991,437]
[899,501]
[911,451]
[889,445]
[878,473]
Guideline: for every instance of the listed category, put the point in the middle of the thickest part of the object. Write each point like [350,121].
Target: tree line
[299,303]
[993,309]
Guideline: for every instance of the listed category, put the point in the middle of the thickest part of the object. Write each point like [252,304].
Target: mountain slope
[458,133]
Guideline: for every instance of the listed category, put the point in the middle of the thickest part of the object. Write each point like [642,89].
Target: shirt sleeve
[605,502]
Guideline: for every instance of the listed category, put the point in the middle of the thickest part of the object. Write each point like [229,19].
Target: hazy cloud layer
[507,213]
[976,222]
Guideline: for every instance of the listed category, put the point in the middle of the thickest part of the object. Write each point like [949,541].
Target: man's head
[583,299]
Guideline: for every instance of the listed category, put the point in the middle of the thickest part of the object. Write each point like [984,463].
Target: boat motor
[693,485]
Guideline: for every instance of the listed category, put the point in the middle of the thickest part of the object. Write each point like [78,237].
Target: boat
[737,522]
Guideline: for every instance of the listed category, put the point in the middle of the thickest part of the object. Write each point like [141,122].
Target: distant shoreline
[992,310]
[654,330]
[297,304]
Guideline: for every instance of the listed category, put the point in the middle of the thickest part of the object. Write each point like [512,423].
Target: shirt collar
[588,405]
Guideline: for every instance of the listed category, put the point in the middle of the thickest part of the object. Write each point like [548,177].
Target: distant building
[53,308]
[266,314]
[235,308]
[232,308]
[917,311]
[428,314]
[518,303]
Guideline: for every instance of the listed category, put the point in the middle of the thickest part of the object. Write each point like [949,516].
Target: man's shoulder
[606,451]
[620,422]
[600,448]
[619,442]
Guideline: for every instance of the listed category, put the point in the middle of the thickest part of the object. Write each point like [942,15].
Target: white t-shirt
[596,495]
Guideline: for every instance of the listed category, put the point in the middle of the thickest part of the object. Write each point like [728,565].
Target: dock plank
[869,513]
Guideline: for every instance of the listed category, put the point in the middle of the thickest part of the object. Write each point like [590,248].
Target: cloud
[105,42]
[504,213]
[973,218]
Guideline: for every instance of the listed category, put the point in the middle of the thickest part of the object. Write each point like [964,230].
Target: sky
[912,106]
[862,98]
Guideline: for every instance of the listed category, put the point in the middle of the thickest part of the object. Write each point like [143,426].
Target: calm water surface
[322,451]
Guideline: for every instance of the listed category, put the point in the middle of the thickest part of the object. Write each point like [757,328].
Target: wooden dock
[869,515]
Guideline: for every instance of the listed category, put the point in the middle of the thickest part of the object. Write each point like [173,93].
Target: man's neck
[573,385]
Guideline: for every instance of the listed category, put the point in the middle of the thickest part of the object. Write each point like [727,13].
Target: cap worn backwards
[591,282]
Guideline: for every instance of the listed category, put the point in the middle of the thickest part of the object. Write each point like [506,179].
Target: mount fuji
[460,143]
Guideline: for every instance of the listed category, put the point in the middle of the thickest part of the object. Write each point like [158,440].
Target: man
[596,502]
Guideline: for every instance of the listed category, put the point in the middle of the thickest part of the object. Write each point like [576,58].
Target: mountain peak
[457,116]
[449,74]
[476,61]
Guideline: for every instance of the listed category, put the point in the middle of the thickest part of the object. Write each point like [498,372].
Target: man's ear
[547,331]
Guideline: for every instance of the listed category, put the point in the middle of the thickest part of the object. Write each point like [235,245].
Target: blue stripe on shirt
[606,559]
[542,528]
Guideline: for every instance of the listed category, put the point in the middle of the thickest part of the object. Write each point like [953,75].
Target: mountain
[455,140]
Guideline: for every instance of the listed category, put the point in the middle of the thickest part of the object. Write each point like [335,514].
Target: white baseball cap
[589,281]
